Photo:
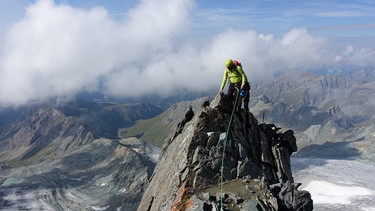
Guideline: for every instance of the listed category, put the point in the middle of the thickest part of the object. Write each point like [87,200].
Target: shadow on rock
[329,150]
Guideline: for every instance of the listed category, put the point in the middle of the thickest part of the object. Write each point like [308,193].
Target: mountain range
[331,114]
[69,157]
[45,131]
[61,156]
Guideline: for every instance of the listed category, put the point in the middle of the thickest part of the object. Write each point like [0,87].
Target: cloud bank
[58,51]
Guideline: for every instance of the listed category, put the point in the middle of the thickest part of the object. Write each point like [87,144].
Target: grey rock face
[52,158]
[39,129]
[255,172]
[104,175]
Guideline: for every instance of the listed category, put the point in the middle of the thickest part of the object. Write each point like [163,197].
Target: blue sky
[338,18]
[63,47]
[325,18]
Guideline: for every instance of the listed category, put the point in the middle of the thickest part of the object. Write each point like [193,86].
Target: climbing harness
[223,156]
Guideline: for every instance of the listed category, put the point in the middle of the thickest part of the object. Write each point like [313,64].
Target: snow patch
[336,185]
[324,192]
[153,153]
[136,149]
[123,190]
[100,208]
[12,181]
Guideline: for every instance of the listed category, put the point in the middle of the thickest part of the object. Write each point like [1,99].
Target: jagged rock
[187,117]
[288,139]
[250,205]
[189,114]
[264,98]
[196,204]
[192,165]
[340,118]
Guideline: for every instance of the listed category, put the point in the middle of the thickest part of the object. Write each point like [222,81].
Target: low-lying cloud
[58,51]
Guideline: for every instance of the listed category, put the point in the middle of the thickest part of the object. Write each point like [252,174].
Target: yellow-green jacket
[235,76]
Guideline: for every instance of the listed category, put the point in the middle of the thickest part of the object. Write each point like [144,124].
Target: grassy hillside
[155,130]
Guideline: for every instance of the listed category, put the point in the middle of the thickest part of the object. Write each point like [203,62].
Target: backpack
[237,63]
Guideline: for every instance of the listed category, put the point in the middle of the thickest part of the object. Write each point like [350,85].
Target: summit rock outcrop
[206,166]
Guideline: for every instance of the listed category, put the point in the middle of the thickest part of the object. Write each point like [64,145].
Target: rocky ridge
[255,173]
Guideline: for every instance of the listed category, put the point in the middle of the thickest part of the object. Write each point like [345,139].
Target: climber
[237,81]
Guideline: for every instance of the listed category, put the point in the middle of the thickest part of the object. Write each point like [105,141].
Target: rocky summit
[222,160]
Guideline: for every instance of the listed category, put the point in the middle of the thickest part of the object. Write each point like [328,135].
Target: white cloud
[59,50]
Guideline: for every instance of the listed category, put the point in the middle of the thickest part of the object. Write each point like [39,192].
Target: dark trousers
[234,89]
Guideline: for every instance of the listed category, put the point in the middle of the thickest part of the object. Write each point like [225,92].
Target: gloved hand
[242,93]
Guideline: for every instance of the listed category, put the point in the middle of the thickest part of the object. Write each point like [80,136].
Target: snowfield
[336,184]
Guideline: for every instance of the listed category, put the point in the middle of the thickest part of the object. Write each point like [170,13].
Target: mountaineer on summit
[237,81]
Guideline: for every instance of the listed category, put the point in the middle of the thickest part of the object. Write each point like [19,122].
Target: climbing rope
[223,156]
